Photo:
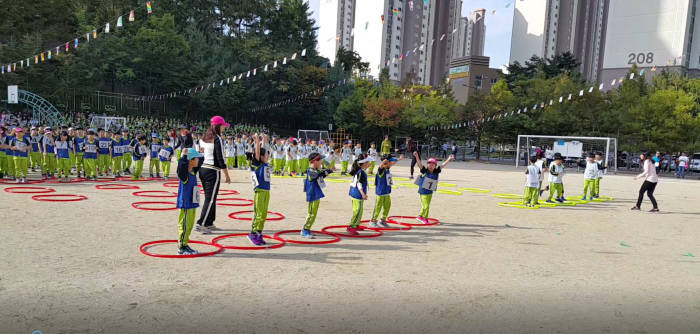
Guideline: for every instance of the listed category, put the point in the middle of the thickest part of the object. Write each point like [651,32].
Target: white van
[695,163]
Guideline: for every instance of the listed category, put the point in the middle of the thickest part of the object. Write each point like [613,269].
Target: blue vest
[184,192]
[18,153]
[78,144]
[312,189]
[101,142]
[423,191]
[49,144]
[259,172]
[155,148]
[361,182]
[62,149]
[169,149]
[381,183]
[90,149]
[35,143]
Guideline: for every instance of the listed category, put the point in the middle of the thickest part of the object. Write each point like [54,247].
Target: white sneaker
[205,230]
[197,227]
[373,224]
[383,224]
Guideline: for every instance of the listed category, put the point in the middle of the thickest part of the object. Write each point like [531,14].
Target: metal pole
[517,154]
[615,153]
[607,153]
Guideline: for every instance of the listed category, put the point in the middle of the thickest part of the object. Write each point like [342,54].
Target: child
[532,183]
[372,152]
[291,165]
[590,174]
[126,158]
[49,158]
[358,190]
[90,155]
[165,155]
[78,141]
[427,184]
[154,162]
[187,197]
[63,147]
[20,147]
[240,153]
[9,162]
[313,187]
[601,170]
[140,153]
[556,173]
[35,153]
[358,150]
[230,152]
[103,159]
[541,164]
[261,186]
[345,158]
[117,152]
[277,155]
[382,184]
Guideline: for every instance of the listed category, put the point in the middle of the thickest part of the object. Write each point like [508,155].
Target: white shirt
[683,161]
[208,151]
[591,172]
[600,171]
[240,149]
[533,177]
[540,164]
[559,170]
[649,172]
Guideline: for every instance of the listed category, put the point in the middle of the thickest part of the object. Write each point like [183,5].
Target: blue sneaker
[583,198]
[560,200]
[307,234]
[253,237]
[590,198]
[549,201]
[261,240]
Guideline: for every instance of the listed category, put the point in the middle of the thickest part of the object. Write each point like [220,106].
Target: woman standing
[412,147]
[649,184]
[212,147]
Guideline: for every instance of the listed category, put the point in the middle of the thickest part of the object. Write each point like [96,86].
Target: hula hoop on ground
[406,185]
[147,193]
[246,202]
[75,180]
[137,205]
[518,205]
[115,186]
[405,227]
[508,196]
[32,190]
[225,192]
[448,192]
[50,198]
[104,179]
[282,242]
[15,182]
[475,190]
[576,200]
[233,215]
[175,184]
[432,221]
[401,179]
[377,233]
[603,199]
[143,250]
[337,180]
[303,242]
[449,185]
[565,203]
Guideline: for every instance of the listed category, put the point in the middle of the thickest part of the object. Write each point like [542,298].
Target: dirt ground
[593,268]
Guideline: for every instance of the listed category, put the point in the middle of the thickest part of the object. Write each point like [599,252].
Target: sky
[498,26]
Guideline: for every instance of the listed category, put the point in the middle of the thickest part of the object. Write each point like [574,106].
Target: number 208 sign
[641,58]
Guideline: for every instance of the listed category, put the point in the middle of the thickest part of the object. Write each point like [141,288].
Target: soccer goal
[108,123]
[317,135]
[573,149]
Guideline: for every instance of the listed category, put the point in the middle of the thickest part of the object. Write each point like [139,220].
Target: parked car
[695,163]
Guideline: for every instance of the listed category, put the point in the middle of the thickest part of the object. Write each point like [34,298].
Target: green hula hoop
[518,205]
[475,190]
[508,196]
[448,192]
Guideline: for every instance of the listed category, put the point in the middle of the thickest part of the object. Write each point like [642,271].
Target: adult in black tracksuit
[212,147]
[412,147]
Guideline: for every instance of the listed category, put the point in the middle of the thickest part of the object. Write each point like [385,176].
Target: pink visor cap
[218,120]
[432,161]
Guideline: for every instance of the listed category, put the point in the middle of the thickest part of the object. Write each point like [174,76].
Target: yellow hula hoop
[566,203]
[337,180]
[407,185]
[518,205]
[603,199]
[401,179]
[508,196]
[475,190]
[448,192]
[576,200]
[441,184]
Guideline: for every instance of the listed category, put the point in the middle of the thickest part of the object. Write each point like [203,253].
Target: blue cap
[154,135]
[192,153]
[392,159]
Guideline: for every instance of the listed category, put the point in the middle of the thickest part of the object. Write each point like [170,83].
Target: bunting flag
[119,22]
[265,69]
[255,71]
[87,37]
[580,93]
[410,5]
[561,99]
[641,72]
[42,56]
[600,87]
[148,7]
[107,28]
[294,56]
[248,75]
[57,48]
[569,97]
[590,90]
[36,59]
[382,19]
[613,82]
[131,16]
[395,11]
[632,75]
[284,61]
[303,53]
[48,54]
[67,46]
[653,69]
[274,65]
[442,37]
[94,33]
[3,69]
[550,102]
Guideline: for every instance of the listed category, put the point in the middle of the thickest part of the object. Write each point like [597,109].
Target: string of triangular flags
[315,92]
[229,79]
[71,44]
[541,106]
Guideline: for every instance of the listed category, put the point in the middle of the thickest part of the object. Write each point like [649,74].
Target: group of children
[319,167]
[592,175]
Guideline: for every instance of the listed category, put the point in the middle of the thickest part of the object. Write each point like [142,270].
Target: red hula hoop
[115,186]
[377,233]
[46,198]
[432,221]
[223,192]
[214,241]
[137,205]
[246,202]
[76,180]
[164,194]
[143,250]
[233,215]
[36,190]
[15,182]
[405,227]
[145,179]
[302,242]
[175,184]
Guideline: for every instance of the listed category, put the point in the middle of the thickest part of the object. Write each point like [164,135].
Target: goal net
[317,135]
[108,123]
[573,149]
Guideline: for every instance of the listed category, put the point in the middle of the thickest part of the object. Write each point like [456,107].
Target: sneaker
[352,230]
[383,224]
[205,230]
[549,201]
[635,208]
[253,238]
[373,224]
[411,177]
[654,210]
[422,220]
[197,227]
[190,250]
[261,239]
[560,200]
[182,251]
[596,196]
[307,234]
[590,198]
[583,198]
